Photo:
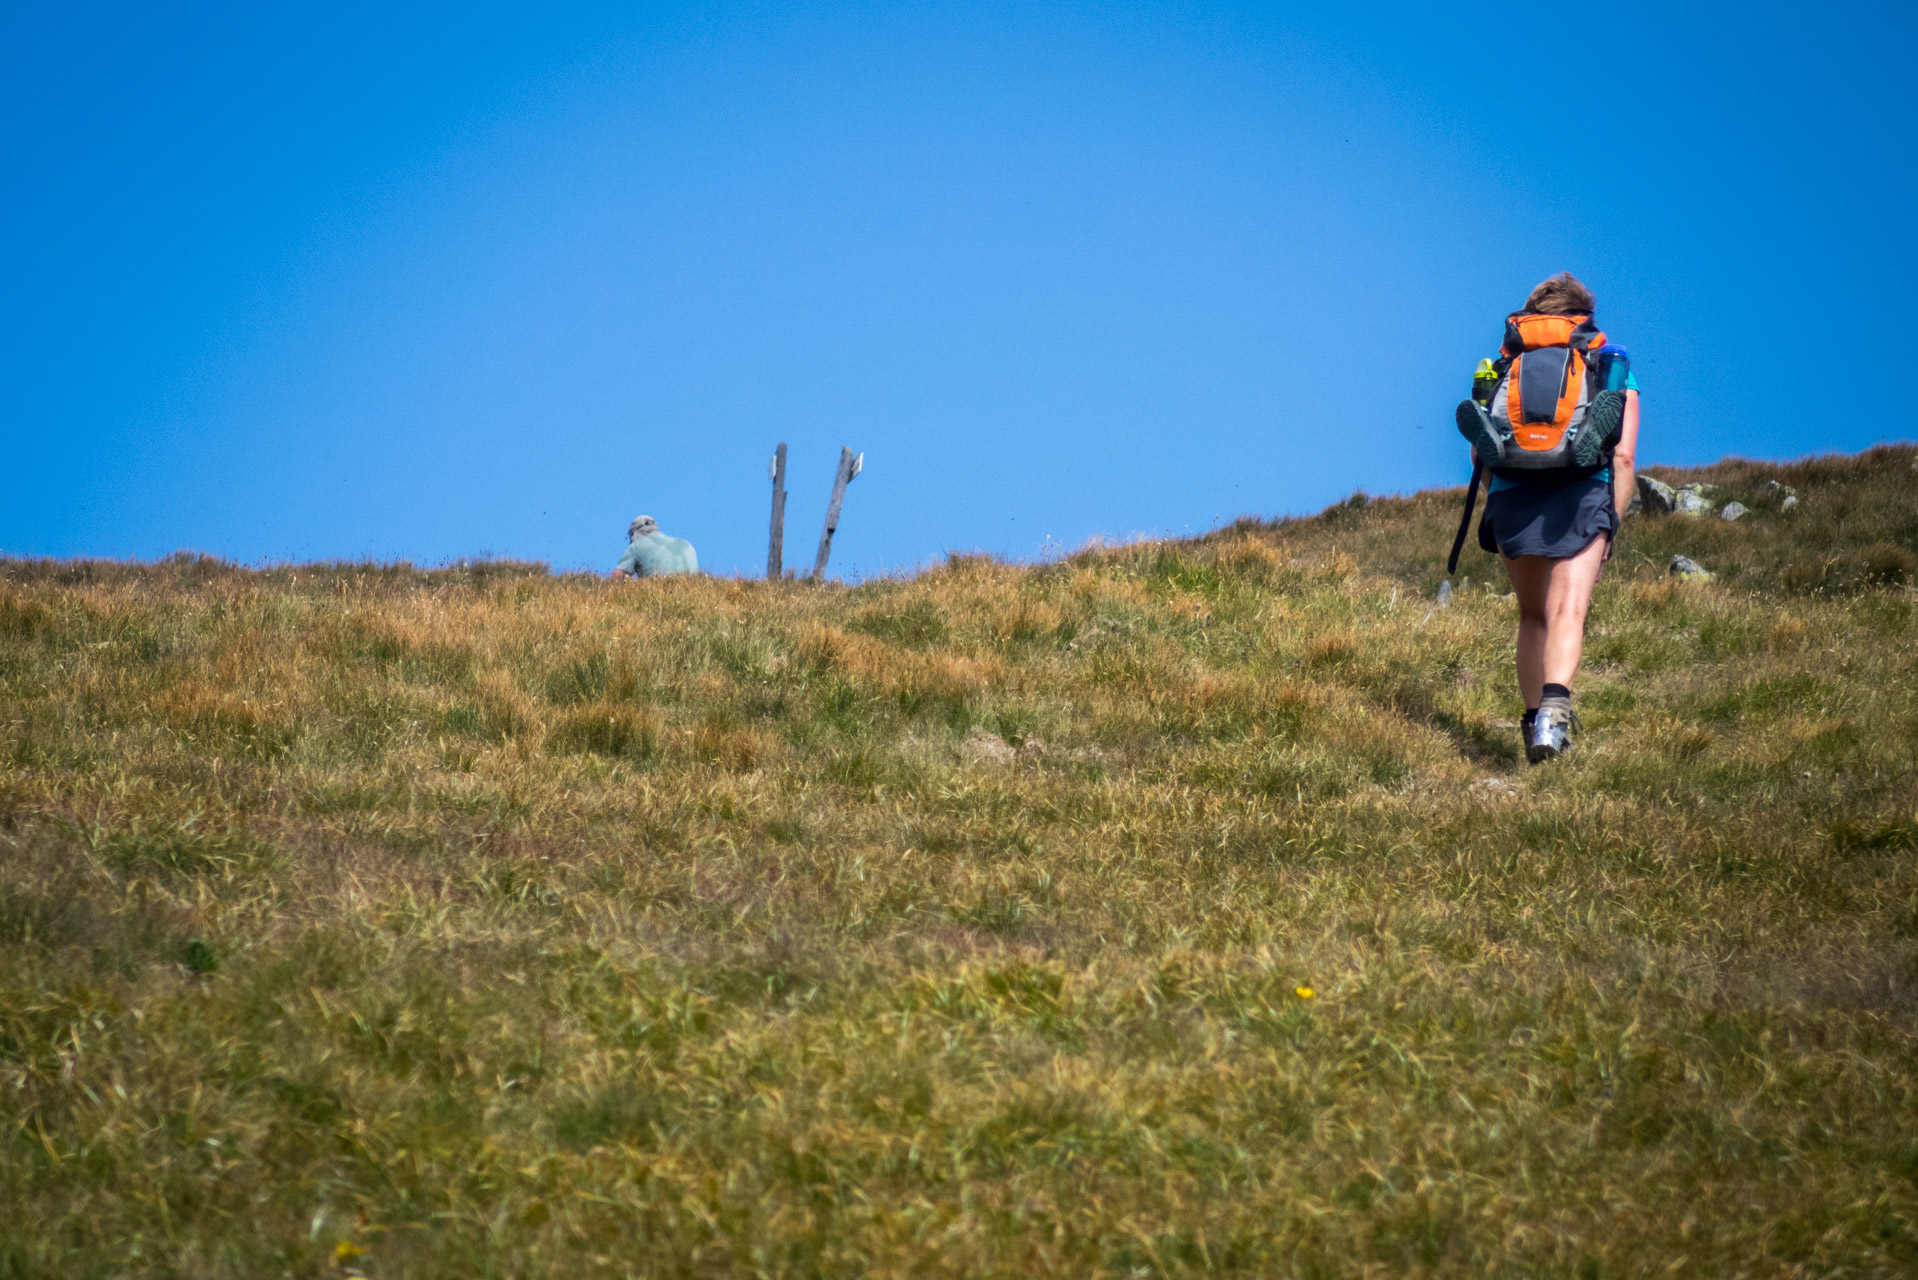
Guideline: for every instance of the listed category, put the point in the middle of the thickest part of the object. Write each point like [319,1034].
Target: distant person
[652,554]
[1555,420]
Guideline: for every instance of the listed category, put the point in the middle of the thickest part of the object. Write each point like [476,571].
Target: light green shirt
[654,555]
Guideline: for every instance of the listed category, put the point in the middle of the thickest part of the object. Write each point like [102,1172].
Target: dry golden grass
[478,922]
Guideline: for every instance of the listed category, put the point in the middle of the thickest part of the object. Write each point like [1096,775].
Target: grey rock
[1781,496]
[1691,501]
[984,745]
[1687,569]
[1656,497]
[1445,593]
[1733,510]
[1789,501]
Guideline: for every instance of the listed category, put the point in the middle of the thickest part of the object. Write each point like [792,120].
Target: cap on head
[642,525]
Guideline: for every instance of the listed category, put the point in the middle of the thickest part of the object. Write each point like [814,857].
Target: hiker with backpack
[1556,426]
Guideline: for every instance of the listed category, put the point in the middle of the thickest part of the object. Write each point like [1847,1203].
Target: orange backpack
[1546,420]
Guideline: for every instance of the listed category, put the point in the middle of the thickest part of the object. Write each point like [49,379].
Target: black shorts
[1554,520]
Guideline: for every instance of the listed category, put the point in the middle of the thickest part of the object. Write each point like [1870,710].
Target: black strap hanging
[1465,521]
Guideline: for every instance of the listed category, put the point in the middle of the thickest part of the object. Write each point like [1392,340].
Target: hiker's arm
[1625,456]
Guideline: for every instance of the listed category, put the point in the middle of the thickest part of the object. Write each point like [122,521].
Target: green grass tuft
[359,919]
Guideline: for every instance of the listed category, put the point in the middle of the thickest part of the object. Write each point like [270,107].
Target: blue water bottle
[1612,366]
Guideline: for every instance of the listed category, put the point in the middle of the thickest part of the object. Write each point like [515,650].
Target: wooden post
[849,466]
[775,548]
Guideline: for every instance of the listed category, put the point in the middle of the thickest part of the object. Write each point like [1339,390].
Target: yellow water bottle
[1484,382]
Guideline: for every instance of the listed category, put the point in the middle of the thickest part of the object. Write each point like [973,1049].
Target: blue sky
[418,281]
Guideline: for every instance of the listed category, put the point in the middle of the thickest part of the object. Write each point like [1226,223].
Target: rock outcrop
[1690,500]
[1686,569]
[1655,497]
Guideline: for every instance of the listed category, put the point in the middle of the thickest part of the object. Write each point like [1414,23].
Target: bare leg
[1531,579]
[1566,602]
[1553,596]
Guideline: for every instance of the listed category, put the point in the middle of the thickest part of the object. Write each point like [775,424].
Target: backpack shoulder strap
[1587,337]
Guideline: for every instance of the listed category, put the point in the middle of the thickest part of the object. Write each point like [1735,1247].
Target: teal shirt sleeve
[629,561]
[1631,380]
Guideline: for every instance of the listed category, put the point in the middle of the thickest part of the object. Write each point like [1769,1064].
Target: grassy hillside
[478,922]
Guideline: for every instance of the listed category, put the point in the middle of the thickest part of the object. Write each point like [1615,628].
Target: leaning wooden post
[775,547]
[849,466]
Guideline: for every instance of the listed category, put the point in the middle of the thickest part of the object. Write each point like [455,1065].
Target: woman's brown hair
[1562,295]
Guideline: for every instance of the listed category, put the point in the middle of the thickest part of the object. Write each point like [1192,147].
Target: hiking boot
[1551,732]
[1476,426]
